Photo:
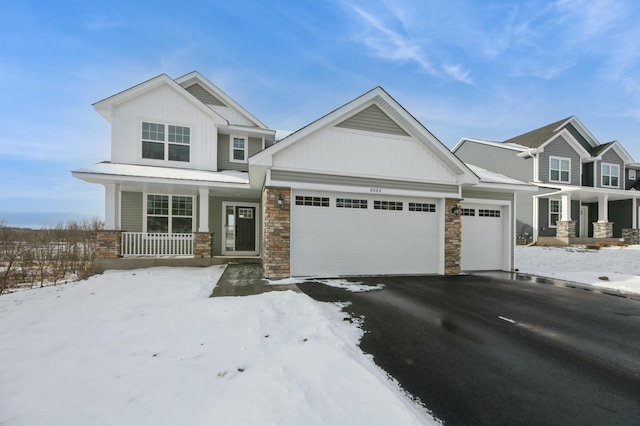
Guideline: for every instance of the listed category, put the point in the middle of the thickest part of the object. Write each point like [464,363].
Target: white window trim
[256,250]
[165,142]
[145,214]
[632,174]
[560,159]
[246,149]
[553,224]
[611,165]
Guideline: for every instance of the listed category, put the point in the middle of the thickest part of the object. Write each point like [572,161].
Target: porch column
[634,213]
[565,206]
[603,228]
[203,217]
[110,206]
[452,236]
[566,228]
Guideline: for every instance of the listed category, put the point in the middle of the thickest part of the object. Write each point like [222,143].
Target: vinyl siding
[546,229]
[610,157]
[372,119]
[496,159]
[620,214]
[255,146]
[203,96]
[559,147]
[131,211]
[287,176]
[578,136]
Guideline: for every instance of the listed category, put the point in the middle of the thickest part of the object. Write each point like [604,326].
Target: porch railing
[156,244]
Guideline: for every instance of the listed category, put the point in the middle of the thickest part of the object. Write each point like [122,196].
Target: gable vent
[203,96]
[373,119]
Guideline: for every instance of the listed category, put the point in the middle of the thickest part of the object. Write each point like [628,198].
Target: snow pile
[609,267]
[149,347]
[354,287]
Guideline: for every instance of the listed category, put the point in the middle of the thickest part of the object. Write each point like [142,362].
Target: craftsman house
[366,189]
[585,189]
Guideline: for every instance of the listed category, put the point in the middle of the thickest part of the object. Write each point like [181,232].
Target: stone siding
[276,233]
[602,229]
[566,229]
[631,235]
[202,242]
[108,244]
[452,236]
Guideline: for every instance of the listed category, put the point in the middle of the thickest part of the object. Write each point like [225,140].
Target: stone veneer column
[602,229]
[108,244]
[202,245]
[452,236]
[276,233]
[566,229]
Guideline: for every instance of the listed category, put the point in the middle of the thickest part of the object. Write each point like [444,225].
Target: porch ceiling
[591,195]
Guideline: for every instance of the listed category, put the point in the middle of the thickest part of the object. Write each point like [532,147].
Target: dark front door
[245,228]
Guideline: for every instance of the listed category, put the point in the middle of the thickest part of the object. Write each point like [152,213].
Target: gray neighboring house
[585,189]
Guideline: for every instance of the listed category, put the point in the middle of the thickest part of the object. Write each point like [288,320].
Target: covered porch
[579,215]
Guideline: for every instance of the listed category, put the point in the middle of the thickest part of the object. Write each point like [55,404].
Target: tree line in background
[38,257]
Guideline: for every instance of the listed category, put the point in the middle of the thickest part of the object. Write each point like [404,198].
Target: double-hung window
[559,169]
[238,149]
[171,214]
[554,212]
[610,175]
[165,142]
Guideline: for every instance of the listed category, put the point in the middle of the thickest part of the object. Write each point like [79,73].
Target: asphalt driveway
[480,350]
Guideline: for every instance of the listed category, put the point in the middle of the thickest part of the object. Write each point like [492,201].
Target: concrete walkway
[245,279]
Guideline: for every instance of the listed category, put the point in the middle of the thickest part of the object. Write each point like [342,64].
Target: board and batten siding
[341,150]
[166,106]
[610,157]
[372,119]
[255,146]
[559,147]
[131,211]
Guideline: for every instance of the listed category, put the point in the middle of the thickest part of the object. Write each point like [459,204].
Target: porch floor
[140,262]
[566,241]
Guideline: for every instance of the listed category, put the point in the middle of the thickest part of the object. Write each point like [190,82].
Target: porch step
[222,260]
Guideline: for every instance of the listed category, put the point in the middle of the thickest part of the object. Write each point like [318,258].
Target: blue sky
[485,69]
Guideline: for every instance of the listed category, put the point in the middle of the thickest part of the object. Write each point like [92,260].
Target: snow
[354,287]
[107,168]
[493,177]
[615,267]
[149,347]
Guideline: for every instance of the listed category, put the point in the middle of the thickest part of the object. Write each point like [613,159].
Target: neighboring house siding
[255,146]
[316,178]
[559,147]
[372,119]
[501,160]
[131,211]
[163,105]
[610,157]
[587,174]
[215,221]
[578,136]
[620,214]
[547,229]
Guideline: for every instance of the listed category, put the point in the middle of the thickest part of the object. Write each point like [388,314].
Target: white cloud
[458,73]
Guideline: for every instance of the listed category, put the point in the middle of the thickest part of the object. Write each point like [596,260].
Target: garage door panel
[344,241]
[482,238]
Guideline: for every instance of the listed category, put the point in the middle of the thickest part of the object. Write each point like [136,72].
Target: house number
[375,190]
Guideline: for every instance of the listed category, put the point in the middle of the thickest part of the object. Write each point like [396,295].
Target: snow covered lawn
[148,347]
[610,267]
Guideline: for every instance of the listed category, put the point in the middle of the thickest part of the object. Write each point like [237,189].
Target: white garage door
[351,234]
[482,237]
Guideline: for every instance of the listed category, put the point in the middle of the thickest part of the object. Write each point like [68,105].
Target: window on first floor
[165,142]
[559,169]
[171,214]
[554,212]
[610,175]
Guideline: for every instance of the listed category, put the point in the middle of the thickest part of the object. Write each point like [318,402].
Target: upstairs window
[238,150]
[610,175]
[559,170]
[632,175]
[165,142]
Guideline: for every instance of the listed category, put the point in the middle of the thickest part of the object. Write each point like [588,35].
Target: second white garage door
[350,234]
[482,237]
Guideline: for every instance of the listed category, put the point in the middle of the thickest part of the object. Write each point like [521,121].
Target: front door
[239,229]
[584,221]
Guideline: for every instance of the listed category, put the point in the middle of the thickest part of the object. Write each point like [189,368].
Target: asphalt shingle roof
[537,137]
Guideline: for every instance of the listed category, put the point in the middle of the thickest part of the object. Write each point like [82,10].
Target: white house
[366,189]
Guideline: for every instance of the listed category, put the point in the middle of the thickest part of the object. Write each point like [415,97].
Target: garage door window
[422,207]
[312,201]
[387,205]
[488,213]
[468,212]
[348,203]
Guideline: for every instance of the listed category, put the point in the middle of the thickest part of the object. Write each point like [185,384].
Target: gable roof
[536,138]
[214,95]
[389,107]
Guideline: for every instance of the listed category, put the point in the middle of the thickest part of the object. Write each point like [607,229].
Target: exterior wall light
[455,210]
[280,201]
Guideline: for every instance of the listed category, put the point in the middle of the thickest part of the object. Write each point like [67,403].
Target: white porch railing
[143,244]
